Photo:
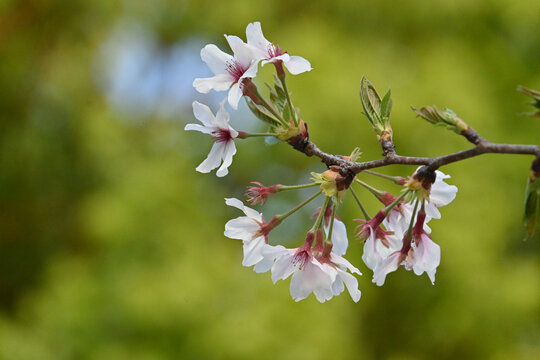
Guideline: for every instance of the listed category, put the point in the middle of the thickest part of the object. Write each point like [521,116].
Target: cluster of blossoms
[398,234]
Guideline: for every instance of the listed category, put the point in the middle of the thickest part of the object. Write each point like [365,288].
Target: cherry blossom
[418,253]
[230,71]
[252,230]
[270,52]
[223,134]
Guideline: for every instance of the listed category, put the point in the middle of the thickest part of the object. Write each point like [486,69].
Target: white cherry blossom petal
[255,37]
[213,160]
[242,53]
[241,228]
[235,94]
[339,237]
[216,59]
[388,265]
[249,212]
[203,113]
[228,153]
[220,82]
[199,128]
[252,251]
[297,65]
[350,282]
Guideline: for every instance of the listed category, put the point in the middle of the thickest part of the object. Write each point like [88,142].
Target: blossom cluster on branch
[397,235]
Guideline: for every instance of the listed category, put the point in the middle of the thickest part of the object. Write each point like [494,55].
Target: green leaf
[262,113]
[368,95]
[386,105]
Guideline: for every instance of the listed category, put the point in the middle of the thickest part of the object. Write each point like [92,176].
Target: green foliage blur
[112,246]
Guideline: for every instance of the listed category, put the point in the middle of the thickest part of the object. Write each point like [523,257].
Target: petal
[230,150]
[219,82]
[265,264]
[242,228]
[283,57]
[242,53]
[338,260]
[213,160]
[297,65]
[432,211]
[235,94]
[203,113]
[222,118]
[256,38]
[339,237]
[442,194]
[352,284]
[387,266]
[200,128]
[251,71]
[252,214]
[283,267]
[216,59]
[252,251]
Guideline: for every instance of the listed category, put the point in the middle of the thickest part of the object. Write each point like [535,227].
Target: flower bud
[449,119]
[535,95]
[376,110]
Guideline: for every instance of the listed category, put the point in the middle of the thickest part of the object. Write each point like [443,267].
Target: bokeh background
[112,246]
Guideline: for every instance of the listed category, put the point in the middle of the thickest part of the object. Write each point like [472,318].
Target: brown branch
[482,147]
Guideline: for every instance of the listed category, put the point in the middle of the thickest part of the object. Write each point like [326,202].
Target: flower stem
[292,211]
[296,187]
[387,209]
[396,179]
[360,204]
[289,102]
[411,224]
[334,207]
[243,135]
[318,221]
[371,189]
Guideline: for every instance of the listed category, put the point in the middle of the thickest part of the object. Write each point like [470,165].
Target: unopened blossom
[230,71]
[251,229]
[258,193]
[418,253]
[222,133]
[270,52]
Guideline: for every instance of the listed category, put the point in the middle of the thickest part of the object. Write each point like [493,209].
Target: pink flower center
[301,258]
[273,51]
[222,135]
[236,70]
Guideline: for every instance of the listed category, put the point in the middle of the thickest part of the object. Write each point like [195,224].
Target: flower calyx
[332,182]
[295,135]
[420,182]
[259,193]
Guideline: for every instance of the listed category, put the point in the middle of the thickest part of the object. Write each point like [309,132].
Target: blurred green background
[112,246]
